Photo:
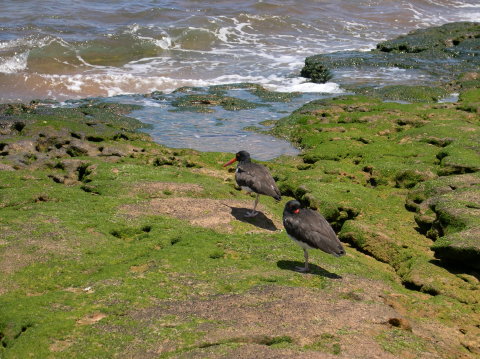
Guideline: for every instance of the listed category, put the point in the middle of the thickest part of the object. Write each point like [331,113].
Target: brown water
[84,48]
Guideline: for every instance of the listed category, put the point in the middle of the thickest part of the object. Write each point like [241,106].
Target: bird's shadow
[314,269]
[260,220]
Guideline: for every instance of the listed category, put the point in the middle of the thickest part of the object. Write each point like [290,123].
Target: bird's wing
[310,227]
[258,178]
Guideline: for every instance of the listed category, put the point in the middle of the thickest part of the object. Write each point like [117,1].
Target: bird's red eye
[296,211]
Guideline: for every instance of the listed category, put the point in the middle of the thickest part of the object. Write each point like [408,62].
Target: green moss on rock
[205,102]
[445,51]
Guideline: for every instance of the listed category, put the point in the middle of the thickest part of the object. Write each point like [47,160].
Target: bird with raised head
[254,177]
[309,229]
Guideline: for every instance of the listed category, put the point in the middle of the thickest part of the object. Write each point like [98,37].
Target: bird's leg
[306,268]
[253,213]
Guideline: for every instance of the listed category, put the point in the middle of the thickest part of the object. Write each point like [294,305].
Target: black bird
[309,230]
[254,177]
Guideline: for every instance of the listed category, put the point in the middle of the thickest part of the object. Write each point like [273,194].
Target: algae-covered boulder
[35,135]
[405,93]
[456,37]
[445,52]
[448,211]
[461,248]
[205,102]
[382,158]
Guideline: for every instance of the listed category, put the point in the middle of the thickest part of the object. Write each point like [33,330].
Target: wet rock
[445,51]
[204,102]
[316,71]
[405,93]
[17,108]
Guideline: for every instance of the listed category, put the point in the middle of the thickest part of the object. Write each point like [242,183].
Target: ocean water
[61,50]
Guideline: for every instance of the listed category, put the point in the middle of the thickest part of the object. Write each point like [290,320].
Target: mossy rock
[409,178]
[421,274]
[206,101]
[448,211]
[460,248]
[406,93]
[445,36]
[273,96]
[316,71]
[459,158]
[444,51]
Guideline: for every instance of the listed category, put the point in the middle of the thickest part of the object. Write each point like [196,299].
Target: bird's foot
[251,214]
[302,269]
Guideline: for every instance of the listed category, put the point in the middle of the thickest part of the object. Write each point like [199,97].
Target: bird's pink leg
[253,213]
[306,268]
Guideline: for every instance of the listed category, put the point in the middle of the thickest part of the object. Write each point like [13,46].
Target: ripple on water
[218,130]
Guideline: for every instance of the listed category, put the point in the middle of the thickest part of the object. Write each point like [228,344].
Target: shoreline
[114,245]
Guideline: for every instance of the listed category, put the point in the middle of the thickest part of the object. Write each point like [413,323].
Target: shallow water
[75,49]
[218,129]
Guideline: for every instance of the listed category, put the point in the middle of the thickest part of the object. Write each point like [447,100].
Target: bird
[309,229]
[254,177]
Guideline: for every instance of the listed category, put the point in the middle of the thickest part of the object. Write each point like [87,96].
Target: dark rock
[204,102]
[445,51]
[316,71]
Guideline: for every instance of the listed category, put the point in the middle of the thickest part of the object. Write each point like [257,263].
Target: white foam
[470,16]
[14,64]
[299,85]
[33,41]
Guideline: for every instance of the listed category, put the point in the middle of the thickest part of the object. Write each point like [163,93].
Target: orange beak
[230,162]
[297,211]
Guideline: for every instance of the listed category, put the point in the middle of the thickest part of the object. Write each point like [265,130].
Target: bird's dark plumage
[254,177]
[309,229]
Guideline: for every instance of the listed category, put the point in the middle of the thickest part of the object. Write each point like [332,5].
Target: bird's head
[241,156]
[292,207]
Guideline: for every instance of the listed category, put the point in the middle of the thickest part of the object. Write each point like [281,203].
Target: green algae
[397,341]
[406,93]
[203,103]
[363,154]
[258,90]
[88,254]
[444,51]
[447,211]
